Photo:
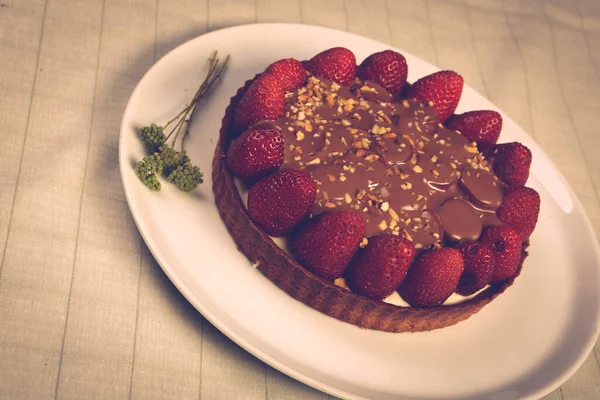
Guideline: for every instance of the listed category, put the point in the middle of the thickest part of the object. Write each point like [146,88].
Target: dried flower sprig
[176,164]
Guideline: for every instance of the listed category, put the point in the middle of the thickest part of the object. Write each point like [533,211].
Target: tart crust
[321,295]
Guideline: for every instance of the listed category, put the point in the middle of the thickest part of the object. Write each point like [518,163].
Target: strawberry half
[326,244]
[264,100]
[511,162]
[442,88]
[337,64]
[520,209]
[479,267]
[291,73]
[387,68]
[432,278]
[281,201]
[256,153]
[379,268]
[482,127]
[507,246]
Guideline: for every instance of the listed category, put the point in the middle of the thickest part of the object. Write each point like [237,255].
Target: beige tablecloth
[85,311]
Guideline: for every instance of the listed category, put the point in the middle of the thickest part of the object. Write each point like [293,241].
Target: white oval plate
[523,345]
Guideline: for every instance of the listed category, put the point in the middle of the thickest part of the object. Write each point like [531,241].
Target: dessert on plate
[395,213]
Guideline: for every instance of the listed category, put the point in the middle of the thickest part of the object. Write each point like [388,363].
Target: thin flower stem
[209,85]
[183,121]
[212,62]
[177,125]
[205,83]
[187,128]
[176,117]
[184,117]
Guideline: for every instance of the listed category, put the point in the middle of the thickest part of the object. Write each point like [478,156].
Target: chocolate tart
[324,296]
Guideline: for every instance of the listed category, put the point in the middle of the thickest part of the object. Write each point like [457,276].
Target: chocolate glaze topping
[391,160]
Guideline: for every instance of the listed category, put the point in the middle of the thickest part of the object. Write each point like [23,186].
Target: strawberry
[387,68]
[337,64]
[291,73]
[520,209]
[507,246]
[442,88]
[256,153]
[481,126]
[511,162]
[263,100]
[379,268]
[432,278]
[279,202]
[326,244]
[479,267]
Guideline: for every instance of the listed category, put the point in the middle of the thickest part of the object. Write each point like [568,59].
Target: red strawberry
[520,209]
[378,269]
[507,246]
[511,162]
[337,64]
[256,153]
[279,202]
[432,278]
[291,73]
[326,243]
[479,267]
[263,100]
[482,126]
[442,88]
[387,68]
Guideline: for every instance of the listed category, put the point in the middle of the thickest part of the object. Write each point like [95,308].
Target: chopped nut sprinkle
[385,206]
[470,148]
[341,282]
[392,140]
[383,225]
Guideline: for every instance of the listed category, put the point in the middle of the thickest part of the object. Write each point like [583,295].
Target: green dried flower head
[148,171]
[186,177]
[172,158]
[153,137]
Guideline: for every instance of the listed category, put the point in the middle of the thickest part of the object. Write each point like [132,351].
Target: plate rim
[239,339]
